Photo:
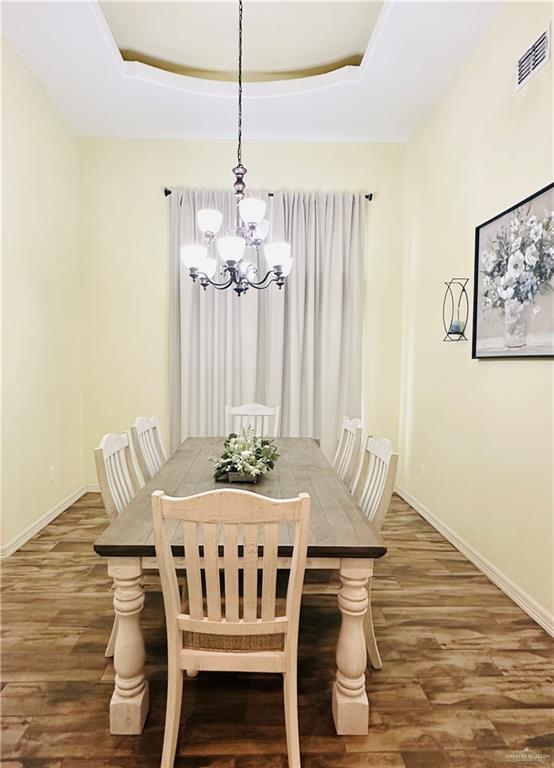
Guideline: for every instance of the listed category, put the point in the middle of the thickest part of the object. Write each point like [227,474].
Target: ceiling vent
[533,59]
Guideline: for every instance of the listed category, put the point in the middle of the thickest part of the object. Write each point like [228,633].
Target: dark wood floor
[466,681]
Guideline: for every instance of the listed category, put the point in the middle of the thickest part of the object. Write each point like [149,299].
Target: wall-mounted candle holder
[455,309]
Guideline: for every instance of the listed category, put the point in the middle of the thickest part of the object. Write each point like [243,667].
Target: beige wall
[481,429]
[41,304]
[126,262]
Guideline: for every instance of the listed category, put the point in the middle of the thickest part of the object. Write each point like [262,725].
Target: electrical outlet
[52,474]
[422,470]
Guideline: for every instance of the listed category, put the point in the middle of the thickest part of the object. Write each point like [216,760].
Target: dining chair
[348,448]
[254,415]
[116,472]
[147,443]
[214,629]
[118,485]
[372,488]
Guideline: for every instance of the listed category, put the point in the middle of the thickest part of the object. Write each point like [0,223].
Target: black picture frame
[524,355]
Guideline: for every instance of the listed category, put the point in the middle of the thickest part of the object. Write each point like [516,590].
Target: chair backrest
[254,415]
[231,531]
[116,473]
[148,446]
[374,480]
[348,447]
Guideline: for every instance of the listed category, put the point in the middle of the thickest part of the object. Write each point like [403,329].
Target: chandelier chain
[239,145]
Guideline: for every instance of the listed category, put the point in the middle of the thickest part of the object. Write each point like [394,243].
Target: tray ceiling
[281,39]
[414,50]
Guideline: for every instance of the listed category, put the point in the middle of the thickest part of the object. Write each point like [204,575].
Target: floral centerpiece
[245,457]
[517,265]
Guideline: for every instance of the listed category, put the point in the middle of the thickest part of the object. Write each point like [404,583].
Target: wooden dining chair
[348,448]
[116,472]
[147,443]
[228,532]
[372,488]
[118,485]
[254,415]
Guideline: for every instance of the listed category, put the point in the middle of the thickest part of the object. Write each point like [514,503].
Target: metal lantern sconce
[455,309]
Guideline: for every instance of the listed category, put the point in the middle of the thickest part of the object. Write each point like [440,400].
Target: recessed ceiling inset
[283,40]
[415,49]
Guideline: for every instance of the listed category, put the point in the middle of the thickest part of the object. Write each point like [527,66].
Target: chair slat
[369,483]
[231,566]
[117,479]
[125,479]
[271,539]
[377,488]
[250,572]
[211,566]
[192,565]
[113,484]
[147,452]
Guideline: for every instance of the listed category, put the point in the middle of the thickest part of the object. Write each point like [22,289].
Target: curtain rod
[167,192]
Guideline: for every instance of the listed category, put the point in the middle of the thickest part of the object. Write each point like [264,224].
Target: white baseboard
[536,611]
[8,549]
[91,488]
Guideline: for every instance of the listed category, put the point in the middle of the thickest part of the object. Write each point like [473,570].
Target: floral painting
[514,281]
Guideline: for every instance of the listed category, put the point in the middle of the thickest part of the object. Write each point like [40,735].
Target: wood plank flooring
[466,682]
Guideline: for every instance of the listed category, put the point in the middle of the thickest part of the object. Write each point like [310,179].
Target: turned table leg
[129,704]
[350,703]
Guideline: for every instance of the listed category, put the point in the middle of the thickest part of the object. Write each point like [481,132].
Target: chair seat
[202,641]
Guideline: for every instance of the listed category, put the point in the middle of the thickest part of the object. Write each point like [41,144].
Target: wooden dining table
[340,539]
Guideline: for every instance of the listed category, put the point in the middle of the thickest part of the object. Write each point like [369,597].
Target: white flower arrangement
[246,454]
[519,261]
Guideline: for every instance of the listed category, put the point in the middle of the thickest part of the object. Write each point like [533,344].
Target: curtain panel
[299,347]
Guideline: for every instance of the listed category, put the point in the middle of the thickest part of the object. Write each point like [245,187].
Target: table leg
[129,704]
[350,702]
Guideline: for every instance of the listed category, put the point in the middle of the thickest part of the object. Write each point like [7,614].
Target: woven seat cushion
[237,643]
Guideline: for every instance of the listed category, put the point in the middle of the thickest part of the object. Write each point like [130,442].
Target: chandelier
[250,232]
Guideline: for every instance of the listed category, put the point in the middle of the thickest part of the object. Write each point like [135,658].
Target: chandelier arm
[220,286]
[260,287]
[260,283]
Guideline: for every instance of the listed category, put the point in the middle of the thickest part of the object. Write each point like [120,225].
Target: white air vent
[533,59]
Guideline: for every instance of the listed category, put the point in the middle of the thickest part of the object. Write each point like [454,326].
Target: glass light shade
[193,255]
[209,220]
[231,247]
[248,269]
[262,229]
[251,210]
[286,267]
[208,266]
[278,255]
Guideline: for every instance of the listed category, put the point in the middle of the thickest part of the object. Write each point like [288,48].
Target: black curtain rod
[369,196]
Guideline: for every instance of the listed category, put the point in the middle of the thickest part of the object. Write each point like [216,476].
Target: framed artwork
[513,297]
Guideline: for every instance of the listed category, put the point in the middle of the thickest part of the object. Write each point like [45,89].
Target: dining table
[341,539]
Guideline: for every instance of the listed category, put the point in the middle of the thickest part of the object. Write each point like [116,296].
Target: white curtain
[299,347]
